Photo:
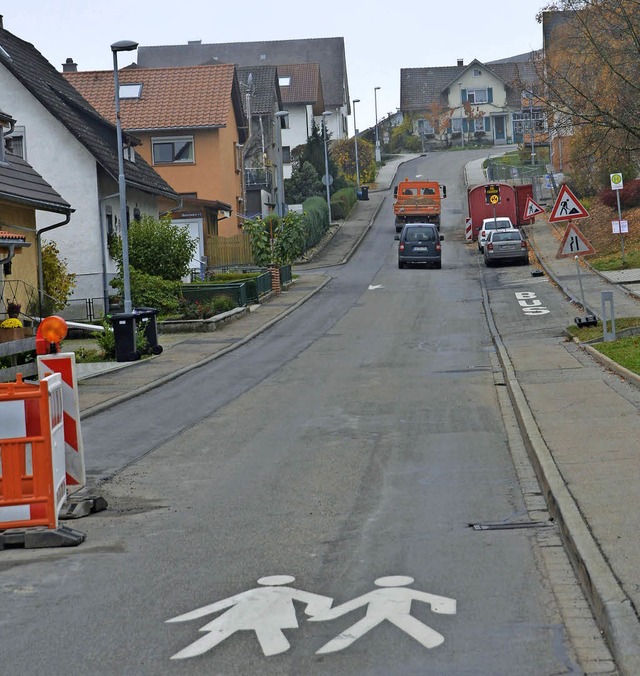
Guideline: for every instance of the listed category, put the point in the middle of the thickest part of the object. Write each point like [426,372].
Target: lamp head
[124,46]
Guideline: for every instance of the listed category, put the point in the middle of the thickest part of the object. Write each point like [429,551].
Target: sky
[380,37]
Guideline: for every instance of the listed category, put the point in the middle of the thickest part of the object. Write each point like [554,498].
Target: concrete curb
[104,406]
[612,608]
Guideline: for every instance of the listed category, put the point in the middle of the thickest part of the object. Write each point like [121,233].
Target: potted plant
[11,329]
[13,309]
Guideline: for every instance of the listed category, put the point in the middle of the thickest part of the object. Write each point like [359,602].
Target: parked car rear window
[505,236]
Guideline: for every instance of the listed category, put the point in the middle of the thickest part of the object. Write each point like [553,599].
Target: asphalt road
[344,451]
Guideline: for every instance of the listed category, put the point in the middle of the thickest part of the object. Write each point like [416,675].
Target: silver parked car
[489,224]
[506,245]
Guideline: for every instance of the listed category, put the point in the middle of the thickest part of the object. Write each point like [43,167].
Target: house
[65,139]
[191,128]
[328,53]
[302,96]
[481,100]
[23,192]
[262,152]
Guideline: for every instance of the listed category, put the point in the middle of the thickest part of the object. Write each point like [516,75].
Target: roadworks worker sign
[532,209]
[574,243]
[567,207]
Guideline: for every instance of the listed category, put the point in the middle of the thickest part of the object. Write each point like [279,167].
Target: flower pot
[7,335]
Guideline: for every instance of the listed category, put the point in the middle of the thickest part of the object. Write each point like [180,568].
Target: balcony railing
[258,178]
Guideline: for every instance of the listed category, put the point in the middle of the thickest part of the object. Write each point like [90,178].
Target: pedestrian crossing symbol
[531,209]
[574,243]
[567,207]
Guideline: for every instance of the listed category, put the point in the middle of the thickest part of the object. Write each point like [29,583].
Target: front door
[499,129]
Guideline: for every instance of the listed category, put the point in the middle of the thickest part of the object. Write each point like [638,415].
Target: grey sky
[380,37]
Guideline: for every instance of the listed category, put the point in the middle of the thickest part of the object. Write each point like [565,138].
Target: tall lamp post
[531,128]
[375,105]
[122,46]
[325,115]
[279,169]
[355,138]
[461,114]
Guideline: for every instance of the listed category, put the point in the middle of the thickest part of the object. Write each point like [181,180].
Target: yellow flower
[11,324]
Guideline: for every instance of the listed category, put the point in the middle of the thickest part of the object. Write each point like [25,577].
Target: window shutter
[487,123]
[465,126]
[490,94]
[463,94]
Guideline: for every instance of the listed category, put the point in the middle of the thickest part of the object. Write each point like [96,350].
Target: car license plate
[420,248]
[510,246]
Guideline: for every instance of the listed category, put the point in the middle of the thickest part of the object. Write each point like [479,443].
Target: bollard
[607,298]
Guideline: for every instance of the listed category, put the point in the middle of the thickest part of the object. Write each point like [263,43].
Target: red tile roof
[196,96]
[305,83]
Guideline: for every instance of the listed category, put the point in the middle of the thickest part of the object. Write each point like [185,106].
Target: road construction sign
[567,207]
[492,194]
[531,209]
[574,243]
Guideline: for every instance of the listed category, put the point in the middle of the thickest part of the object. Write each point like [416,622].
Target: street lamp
[279,169]
[531,129]
[355,138]
[325,115]
[461,114]
[375,104]
[122,46]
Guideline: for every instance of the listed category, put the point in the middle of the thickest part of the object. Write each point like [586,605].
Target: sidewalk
[581,428]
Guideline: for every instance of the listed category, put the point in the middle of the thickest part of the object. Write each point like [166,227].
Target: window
[238,155]
[130,91]
[16,143]
[455,124]
[172,150]
[284,81]
[286,154]
[425,127]
[477,72]
[477,96]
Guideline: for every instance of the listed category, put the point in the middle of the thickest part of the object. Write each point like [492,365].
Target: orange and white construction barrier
[65,364]
[32,479]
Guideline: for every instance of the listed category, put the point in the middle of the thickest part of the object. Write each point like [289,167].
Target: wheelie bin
[124,334]
[147,318]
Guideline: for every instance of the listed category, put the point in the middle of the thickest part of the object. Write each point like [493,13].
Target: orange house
[191,125]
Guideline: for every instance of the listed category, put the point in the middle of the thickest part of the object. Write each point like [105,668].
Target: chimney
[69,66]
[1,24]
[194,42]
[460,63]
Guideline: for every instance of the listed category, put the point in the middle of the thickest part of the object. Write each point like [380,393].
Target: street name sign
[567,207]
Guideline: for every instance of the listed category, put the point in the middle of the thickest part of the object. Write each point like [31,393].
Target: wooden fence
[234,250]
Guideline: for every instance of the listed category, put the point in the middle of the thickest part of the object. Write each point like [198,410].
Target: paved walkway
[582,431]
[582,427]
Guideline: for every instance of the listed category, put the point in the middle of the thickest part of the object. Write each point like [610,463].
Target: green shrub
[204,309]
[316,220]
[342,202]
[151,291]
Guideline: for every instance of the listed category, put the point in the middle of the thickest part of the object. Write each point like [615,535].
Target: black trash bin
[364,190]
[147,319]
[124,333]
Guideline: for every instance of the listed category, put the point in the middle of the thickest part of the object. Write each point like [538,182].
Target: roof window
[5,54]
[130,91]
[284,81]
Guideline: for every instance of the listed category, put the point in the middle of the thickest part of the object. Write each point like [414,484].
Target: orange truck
[418,202]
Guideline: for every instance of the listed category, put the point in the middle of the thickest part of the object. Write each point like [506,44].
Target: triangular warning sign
[574,243]
[567,207]
[531,209]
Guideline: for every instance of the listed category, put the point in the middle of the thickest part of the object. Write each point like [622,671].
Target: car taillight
[401,247]
[438,247]
[523,245]
[490,246]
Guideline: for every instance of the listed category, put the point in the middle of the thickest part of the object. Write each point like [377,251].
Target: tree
[58,282]
[589,73]
[275,240]
[158,248]
[304,183]
[472,115]
[439,116]
[343,153]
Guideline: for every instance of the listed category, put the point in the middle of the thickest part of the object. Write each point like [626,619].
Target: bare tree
[589,72]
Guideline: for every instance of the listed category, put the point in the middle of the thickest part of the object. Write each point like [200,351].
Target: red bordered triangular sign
[574,243]
[531,209]
[567,207]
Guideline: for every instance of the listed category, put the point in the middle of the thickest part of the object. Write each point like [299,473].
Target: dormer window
[129,153]
[130,91]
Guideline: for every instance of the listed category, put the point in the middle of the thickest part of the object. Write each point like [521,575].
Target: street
[305,505]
